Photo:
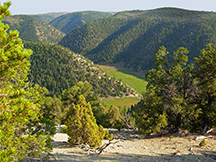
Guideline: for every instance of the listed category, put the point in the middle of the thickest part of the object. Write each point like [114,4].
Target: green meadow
[121,102]
[138,84]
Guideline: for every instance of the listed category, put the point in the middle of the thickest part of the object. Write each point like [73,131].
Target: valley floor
[129,146]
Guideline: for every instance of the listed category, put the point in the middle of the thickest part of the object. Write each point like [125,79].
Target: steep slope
[133,37]
[34,29]
[70,21]
[47,17]
[58,68]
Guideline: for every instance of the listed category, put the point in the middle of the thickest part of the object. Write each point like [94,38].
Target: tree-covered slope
[133,37]
[58,68]
[70,21]
[34,29]
[47,17]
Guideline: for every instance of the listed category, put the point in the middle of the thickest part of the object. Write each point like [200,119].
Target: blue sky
[45,6]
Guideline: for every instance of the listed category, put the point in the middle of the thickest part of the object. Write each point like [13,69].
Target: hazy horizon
[49,6]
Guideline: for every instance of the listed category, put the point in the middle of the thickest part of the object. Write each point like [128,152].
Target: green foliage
[100,112]
[55,106]
[171,137]
[106,117]
[206,64]
[18,106]
[71,96]
[44,123]
[171,94]
[107,135]
[114,118]
[150,116]
[64,129]
[33,29]
[121,102]
[58,68]
[203,143]
[179,96]
[132,37]
[113,115]
[70,21]
[81,124]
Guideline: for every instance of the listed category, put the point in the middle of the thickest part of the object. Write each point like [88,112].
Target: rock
[191,148]
[60,137]
[200,138]
[177,153]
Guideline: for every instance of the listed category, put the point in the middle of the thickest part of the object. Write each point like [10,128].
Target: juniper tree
[206,73]
[171,94]
[81,124]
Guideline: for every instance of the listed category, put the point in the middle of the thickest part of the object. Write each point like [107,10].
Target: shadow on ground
[82,156]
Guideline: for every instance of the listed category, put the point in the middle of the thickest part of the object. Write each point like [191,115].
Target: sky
[46,6]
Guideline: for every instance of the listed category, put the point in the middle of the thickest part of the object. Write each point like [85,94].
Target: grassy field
[121,102]
[138,84]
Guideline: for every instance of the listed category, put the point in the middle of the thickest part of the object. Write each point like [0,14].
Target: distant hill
[34,29]
[132,37]
[47,17]
[70,21]
[58,68]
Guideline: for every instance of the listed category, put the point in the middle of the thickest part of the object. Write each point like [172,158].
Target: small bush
[203,143]
[171,137]
[107,135]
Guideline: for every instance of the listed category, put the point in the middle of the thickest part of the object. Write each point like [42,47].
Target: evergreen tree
[17,108]
[150,115]
[81,124]
[71,95]
[173,90]
[206,65]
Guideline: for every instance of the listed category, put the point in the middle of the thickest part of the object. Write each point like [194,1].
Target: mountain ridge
[47,17]
[34,29]
[70,21]
[132,37]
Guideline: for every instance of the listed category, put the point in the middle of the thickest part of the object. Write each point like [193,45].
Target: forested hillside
[47,17]
[34,29]
[132,37]
[44,85]
[70,21]
[58,68]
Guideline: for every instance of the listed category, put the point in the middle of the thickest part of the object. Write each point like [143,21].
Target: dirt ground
[129,146]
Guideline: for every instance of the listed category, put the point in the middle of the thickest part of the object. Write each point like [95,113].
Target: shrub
[81,125]
[203,143]
[107,135]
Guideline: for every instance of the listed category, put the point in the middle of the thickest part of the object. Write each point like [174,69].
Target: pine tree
[17,109]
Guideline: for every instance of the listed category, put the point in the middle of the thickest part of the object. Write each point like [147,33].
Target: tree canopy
[132,37]
[178,95]
[19,102]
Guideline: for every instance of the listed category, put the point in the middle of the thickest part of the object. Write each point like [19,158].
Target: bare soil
[129,146]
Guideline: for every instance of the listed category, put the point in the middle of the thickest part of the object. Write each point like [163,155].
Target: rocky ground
[129,146]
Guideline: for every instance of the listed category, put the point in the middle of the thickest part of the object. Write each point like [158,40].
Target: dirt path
[128,146]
